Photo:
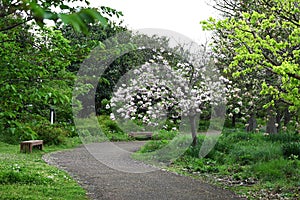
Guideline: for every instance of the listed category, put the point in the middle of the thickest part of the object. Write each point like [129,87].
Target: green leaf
[89,14]
[64,7]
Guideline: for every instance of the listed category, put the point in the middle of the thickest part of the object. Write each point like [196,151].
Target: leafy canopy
[266,40]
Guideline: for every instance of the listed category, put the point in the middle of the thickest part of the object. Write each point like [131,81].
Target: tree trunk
[271,127]
[233,121]
[252,123]
[279,116]
[287,117]
[193,129]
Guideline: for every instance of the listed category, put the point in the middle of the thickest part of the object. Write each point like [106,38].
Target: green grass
[251,164]
[27,176]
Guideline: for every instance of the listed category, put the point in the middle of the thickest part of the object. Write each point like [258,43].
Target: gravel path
[105,183]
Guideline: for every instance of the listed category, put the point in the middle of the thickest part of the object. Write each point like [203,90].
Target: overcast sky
[180,16]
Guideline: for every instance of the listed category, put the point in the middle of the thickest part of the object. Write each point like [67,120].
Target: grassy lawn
[27,176]
[254,165]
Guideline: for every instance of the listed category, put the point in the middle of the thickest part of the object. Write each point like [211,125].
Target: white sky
[180,16]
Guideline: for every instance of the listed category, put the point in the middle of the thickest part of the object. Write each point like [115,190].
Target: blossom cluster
[156,90]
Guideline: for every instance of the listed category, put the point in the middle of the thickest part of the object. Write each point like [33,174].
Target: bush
[15,132]
[290,149]
[51,134]
[111,129]
[108,126]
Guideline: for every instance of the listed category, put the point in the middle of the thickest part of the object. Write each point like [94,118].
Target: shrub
[111,129]
[50,134]
[108,126]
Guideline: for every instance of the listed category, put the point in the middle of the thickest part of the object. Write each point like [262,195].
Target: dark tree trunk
[233,121]
[193,130]
[271,127]
[279,116]
[252,124]
[287,117]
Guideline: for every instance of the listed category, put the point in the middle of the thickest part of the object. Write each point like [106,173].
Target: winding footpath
[107,183]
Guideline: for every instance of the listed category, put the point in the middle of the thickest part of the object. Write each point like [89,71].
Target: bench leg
[25,147]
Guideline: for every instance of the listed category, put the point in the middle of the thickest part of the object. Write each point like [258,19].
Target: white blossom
[112,116]
[236,110]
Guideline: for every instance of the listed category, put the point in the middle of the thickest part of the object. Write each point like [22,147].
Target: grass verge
[27,176]
[252,165]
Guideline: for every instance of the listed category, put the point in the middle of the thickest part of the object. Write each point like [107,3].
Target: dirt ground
[127,179]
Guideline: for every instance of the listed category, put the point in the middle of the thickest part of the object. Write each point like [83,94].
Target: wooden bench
[135,134]
[26,146]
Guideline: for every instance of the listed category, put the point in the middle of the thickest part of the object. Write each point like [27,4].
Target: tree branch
[15,25]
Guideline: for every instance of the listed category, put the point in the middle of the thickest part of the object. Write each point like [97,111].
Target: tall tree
[262,39]
[34,62]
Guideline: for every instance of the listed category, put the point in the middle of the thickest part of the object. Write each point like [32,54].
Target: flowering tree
[162,88]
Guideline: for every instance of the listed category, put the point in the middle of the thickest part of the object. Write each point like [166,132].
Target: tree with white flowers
[158,90]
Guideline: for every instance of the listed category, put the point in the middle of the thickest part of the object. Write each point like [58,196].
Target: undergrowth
[253,165]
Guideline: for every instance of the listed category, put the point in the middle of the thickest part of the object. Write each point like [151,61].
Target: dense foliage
[257,46]
[35,70]
[39,11]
